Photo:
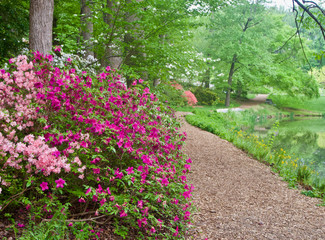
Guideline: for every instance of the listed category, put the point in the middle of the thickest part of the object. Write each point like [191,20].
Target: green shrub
[205,96]
[169,94]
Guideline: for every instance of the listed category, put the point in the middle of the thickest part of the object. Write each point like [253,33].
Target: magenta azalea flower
[187,194]
[44,186]
[130,170]
[21,225]
[60,183]
[57,49]
[88,191]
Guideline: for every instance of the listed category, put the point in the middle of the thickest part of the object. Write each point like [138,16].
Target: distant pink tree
[177,86]
[191,99]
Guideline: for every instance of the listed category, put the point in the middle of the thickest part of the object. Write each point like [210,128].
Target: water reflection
[300,138]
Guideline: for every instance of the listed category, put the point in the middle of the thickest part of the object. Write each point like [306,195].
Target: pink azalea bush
[86,146]
[191,99]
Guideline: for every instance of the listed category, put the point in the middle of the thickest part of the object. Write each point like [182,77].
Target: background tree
[251,42]
[40,25]
[14,27]
[87,26]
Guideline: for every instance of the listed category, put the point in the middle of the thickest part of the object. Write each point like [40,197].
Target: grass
[251,96]
[207,108]
[298,104]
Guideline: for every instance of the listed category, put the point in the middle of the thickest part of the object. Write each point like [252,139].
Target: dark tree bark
[87,28]
[231,73]
[206,76]
[306,6]
[41,22]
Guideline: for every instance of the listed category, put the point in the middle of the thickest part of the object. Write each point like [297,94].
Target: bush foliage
[86,147]
[205,96]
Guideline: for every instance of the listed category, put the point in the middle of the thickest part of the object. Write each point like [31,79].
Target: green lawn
[314,105]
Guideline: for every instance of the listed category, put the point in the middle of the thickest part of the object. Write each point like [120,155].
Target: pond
[302,138]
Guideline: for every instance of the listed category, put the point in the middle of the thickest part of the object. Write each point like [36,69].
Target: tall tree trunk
[207,74]
[111,56]
[87,28]
[231,73]
[207,78]
[40,25]
[131,50]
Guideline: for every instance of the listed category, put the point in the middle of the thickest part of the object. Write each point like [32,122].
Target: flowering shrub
[177,86]
[87,147]
[188,95]
[191,99]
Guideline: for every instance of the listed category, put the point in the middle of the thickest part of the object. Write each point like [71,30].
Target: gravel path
[240,198]
[259,99]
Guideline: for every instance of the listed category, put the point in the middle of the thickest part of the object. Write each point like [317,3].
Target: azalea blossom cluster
[115,150]
[191,99]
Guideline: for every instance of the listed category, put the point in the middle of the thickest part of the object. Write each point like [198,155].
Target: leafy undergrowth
[208,108]
[78,150]
[227,127]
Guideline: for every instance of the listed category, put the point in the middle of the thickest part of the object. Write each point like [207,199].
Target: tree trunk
[156,82]
[207,74]
[40,25]
[87,28]
[231,73]
[207,78]
[111,55]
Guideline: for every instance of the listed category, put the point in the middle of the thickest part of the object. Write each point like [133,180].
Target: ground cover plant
[77,149]
[208,108]
[290,168]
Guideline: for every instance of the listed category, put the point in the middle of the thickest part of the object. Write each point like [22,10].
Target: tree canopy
[228,46]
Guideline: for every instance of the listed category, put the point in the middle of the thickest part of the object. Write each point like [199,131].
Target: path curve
[259,99]
[240,198]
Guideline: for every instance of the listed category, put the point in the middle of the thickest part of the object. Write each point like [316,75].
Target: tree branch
[306,9]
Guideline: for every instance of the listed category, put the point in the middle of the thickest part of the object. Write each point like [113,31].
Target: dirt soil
[238,197]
